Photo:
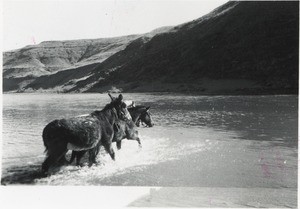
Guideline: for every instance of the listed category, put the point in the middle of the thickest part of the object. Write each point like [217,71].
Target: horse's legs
[52,159]
[139,141]
[97,149]
[47,163]
[138,122]
[92,156]
[62,160]
[79,156]
[56,154]
[74,154]
[108,147]
[119,144]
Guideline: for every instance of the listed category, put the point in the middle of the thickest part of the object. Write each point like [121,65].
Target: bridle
[120,115]
[115,112]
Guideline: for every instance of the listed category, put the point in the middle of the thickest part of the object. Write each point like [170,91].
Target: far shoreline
[190,93]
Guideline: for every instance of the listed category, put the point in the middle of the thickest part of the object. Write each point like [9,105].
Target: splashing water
[130,158]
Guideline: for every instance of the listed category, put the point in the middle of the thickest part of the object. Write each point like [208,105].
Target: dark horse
[123,129]
[141,114]
[87,132]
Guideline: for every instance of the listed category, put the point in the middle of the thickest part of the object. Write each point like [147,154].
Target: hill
[239,48]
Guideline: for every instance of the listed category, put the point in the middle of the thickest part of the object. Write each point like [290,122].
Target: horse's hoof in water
[92,163]
[140,146]
[98,163]
[44,172]
[80,165]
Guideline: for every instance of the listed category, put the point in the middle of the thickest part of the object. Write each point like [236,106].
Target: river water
[197,141]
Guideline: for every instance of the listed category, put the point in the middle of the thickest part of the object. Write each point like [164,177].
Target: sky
[27,22]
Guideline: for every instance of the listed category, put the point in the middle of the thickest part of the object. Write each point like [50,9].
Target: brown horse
[123,129]
[83,133]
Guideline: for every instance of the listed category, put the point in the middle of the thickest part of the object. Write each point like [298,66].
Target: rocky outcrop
[53,56]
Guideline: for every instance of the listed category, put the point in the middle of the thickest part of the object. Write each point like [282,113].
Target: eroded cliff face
[239,48]
[53,56]
[59,65]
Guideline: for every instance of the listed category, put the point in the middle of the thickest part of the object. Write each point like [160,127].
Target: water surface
[197,141]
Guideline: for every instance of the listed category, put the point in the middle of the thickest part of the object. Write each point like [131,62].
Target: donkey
[87,132]
[123,129]
[141,114]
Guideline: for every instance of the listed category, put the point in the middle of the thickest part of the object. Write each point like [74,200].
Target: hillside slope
[48,60]
[242,47]
[50,57]
[239,48]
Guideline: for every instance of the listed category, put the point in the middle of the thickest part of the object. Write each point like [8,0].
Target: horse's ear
[111,97]
[147,108]
[120,97]
[123,105]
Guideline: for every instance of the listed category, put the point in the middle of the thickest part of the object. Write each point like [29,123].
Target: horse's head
[146,118]
[120,107]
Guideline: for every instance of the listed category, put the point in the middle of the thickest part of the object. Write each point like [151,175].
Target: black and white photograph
[147,103]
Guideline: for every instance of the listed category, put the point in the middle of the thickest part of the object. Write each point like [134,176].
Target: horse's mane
[108,106]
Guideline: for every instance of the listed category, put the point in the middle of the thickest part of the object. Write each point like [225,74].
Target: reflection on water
[186,128]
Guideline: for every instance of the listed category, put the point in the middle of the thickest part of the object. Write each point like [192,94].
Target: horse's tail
[44,139]
[46,149]
[48,134]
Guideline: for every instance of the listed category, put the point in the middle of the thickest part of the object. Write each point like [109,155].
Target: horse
[86,132]
[123,129]
[141,114]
